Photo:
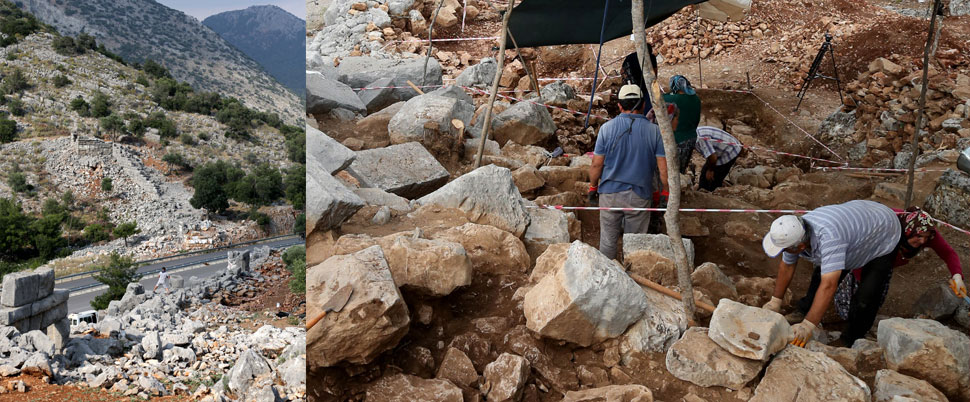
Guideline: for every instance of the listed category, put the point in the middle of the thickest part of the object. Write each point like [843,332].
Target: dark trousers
[720,172]
[866,301]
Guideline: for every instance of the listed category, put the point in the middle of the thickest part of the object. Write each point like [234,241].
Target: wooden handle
[415,87]
[660,288]
[315,320]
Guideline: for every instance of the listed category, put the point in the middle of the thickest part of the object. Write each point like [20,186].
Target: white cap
[630,91]
[785,232]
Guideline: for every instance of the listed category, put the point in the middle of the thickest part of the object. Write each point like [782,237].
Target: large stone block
[697,359]
[59,296]
[611,393]
[374,319]
[428,117]
[491,250]
[652,256]
[407,388]
[329,203]
[505,378]
[713,283]
[11,315]
[378,197]
[378,94]
[546,227]
[481,74]
[590,299]
[661,325]
[55,314]
[487,195]
[324,94]
[930,351]
[524,123]
[359,71]
[407,170]
[327,152]
[20,288]
[798,374]
[892,386]
[436,267]
[748,332]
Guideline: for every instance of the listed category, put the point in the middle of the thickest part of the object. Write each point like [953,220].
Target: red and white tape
[444,40]
[757,148]
[750,211]
[877,169]
[536,103]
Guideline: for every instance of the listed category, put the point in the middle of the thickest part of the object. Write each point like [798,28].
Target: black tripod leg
[812,73]
[835,69]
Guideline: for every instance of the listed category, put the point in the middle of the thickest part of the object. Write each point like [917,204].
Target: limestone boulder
[892,386]
[546,227]
[505,378]
[697,359]
[798,374]
[428,115]
[661,325]
[491,250]
[407,388]
[359,71]
[749,332]
[374,319]
[407,170]
[247,368]
[487,195]
[378,197]
[527,154]
[435,267]
[937,302]
[713,283]
[324,94]
[611,393]
[872,358]
[652,256]
[326,151]
[25,287]
[549,262]
[930,351]
[329,202]
[377,95]
[481,74]
[527,179]
[457,368]
[590,299]
[524,123]
[950,200]
[372,130]
[557,93]
[849,358]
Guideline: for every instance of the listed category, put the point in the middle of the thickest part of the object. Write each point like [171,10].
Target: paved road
[193,265]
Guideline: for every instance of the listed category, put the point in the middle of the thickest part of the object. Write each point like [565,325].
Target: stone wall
[28,302]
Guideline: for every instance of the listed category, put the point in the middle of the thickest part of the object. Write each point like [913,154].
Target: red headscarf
[915,222]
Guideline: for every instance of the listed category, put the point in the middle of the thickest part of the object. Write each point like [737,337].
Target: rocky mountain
[139,30]
[269,35]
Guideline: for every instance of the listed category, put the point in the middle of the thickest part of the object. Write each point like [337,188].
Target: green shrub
[117,274]
[187,139]
[113,124]
[106,184]
[81,106]
[15,82]
[100,105]
[16,107]
[61,81]
[96,232]
[8,130]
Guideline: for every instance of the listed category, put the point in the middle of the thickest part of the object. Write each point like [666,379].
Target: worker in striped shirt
[836,239]
[720,151]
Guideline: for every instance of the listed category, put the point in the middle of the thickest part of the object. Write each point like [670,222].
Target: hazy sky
[203,8]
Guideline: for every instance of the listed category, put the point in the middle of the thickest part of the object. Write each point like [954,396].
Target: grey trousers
[614,223]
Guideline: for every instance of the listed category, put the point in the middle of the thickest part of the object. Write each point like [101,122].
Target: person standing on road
[720,151]
[162,281]
[628,151]
[836,239]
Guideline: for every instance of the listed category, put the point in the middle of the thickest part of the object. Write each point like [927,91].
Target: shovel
[335,304]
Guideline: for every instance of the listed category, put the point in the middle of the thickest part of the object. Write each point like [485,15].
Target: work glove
[660,199]
[957,285]
[802,333]
[593,197]
[773,305]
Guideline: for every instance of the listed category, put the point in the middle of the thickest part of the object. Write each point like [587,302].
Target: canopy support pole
[922,103]
[495,81]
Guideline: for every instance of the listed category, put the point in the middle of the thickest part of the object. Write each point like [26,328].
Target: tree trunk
[922,104]
[670,148]
[495,81]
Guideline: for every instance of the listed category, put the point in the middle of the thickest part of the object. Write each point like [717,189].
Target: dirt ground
[39,391]
[458,317]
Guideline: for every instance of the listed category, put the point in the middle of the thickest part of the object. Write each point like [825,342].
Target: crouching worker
[836,239]
[720,151]
[628,151]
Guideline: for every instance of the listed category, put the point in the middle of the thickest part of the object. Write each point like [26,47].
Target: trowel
[335,304]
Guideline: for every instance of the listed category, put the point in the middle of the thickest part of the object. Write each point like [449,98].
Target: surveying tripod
[813,72]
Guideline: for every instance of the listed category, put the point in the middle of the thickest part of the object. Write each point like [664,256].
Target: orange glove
[802,333]
[957,285]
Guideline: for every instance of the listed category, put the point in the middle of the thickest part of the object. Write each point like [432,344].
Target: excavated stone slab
[20,288]
[749,332]
[407,170]
[928,350]
[798,374]
[697,359]
[326,151]
[487,195]
[590,299]
[329,203]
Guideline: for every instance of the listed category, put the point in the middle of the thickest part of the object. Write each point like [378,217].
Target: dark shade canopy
[562,22]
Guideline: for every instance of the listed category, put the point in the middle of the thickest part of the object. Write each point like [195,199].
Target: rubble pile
[178,343]
[887,98]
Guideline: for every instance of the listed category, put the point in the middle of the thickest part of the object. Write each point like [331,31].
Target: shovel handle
[315,320]
[660,288]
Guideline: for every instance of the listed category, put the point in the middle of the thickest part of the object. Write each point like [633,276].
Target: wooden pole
[670,149]
[525,65]
[663,289]
[922,104]
[495,81]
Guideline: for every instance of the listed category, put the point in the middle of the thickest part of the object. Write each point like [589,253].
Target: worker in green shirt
[683,95]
